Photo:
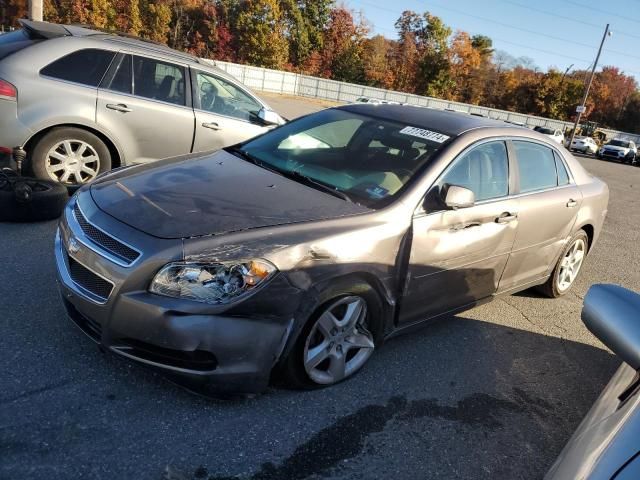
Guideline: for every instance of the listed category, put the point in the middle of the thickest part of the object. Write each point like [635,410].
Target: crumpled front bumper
[206,351]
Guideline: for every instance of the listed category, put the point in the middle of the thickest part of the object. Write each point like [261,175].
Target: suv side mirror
[269,117]
[456,197]
[612,314]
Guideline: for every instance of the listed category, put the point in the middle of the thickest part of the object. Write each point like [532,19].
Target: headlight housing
[212,283]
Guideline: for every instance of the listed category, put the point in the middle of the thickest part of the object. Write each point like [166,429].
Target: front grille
[115,247]
[89,281]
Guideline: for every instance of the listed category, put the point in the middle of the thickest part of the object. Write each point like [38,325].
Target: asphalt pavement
[492,393]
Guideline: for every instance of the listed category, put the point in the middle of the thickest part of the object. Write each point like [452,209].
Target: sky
[556,33]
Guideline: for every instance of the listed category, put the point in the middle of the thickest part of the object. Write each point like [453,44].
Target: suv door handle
[118,107]
[212,126]
[571,203]
[506,217]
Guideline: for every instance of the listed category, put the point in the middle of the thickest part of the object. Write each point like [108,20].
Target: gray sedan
[298,253]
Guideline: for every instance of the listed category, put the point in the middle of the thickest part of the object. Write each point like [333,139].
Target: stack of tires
[26,199]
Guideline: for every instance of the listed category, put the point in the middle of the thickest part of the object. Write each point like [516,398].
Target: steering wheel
[403,173]
[208,97]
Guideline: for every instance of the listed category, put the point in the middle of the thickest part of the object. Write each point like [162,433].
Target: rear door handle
[118,107]
[212,126]
[506,217]
[571,203]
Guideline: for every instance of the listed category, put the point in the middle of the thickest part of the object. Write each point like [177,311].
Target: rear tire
[69,155]
[568,266]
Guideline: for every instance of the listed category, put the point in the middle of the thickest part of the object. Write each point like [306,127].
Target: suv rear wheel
[71,156]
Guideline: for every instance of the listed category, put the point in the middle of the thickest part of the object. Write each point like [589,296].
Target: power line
[603,11]
[570,19]
[533,32]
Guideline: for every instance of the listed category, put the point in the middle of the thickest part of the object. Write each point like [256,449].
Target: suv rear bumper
[12,132]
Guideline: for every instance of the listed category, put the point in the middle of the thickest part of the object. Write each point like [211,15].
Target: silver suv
[81,102]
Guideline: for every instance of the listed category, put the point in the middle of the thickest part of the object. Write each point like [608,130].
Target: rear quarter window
[86,67]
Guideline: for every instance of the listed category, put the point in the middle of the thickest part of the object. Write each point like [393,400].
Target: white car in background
[553,134]
[586,145]
[618,149]
[376,101]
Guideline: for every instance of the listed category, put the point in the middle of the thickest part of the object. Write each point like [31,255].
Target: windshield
[366,159]
[619,143]
[546,131]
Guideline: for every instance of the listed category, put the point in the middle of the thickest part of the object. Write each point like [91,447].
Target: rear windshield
[14,41]
[546,131]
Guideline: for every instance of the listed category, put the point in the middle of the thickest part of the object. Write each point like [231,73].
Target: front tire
[336,342]
[568,267]
[71,156]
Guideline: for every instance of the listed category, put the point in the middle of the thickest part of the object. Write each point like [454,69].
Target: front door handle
[506,217]
[118,107]
[212,126]
[571,203]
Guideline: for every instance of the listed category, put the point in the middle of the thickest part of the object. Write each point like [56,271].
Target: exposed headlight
[217,283]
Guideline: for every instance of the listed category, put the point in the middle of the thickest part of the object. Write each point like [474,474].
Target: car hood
[212,194]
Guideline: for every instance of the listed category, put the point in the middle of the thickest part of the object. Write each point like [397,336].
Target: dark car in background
[298,252]
[81,101]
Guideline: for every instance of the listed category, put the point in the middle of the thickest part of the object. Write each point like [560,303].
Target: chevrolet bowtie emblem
[74,245]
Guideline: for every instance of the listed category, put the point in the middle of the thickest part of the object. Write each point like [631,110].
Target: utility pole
[581,108]
[35,10]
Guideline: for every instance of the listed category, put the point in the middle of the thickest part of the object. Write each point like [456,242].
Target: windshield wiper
[297,176]
[316,184]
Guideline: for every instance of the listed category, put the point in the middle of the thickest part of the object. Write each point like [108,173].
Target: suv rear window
[86,67]
[15,41]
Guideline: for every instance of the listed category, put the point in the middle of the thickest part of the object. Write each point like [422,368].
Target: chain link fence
[288,83]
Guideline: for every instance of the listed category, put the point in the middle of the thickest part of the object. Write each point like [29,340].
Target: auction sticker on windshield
[425,134]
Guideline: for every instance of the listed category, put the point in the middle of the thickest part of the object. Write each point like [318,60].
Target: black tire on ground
[47,200]
[292,372]
[37,157]
[550,287]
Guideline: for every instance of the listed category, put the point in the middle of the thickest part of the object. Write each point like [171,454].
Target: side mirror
[269,117]
[455,197]
[612,314]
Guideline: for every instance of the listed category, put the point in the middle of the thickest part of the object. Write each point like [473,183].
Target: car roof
[451,123]
[55,30]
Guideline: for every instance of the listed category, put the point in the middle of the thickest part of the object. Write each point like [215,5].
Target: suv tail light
[7,91]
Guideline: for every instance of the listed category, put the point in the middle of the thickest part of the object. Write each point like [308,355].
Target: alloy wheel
[72,162]
[570,265]
[339,343]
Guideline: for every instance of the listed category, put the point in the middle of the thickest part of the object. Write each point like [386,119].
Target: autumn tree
[343,47]
[377,55]
[260,30]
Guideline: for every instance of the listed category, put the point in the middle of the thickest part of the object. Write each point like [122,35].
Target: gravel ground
[492,393]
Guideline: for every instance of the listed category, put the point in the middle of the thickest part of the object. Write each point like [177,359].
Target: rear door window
[159,80]
[86,67]
[537,166]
